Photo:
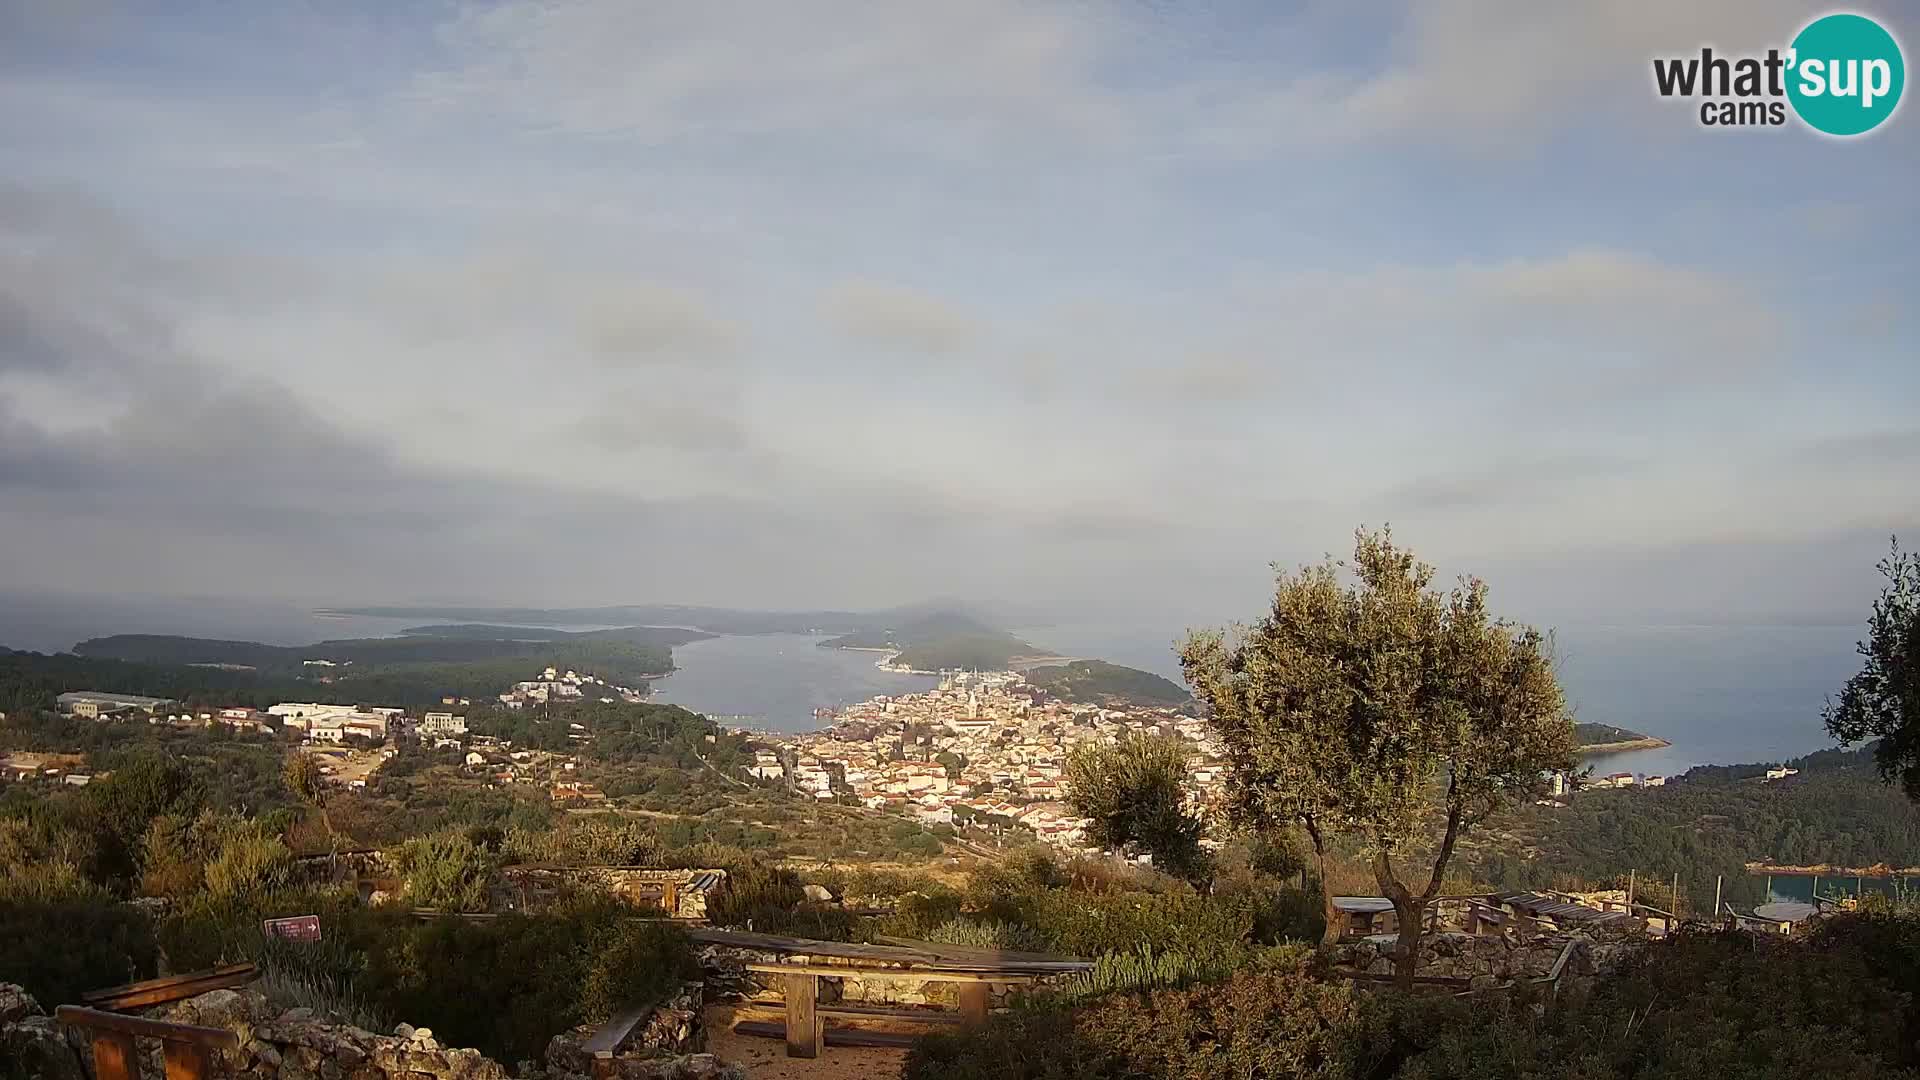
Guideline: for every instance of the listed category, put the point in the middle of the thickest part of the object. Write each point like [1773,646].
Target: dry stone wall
[1488,960]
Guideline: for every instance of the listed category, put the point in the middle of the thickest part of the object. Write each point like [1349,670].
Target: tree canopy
[1883,699]
[1369,703]
[1133,791]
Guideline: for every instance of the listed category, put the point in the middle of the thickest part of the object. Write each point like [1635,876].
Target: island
[423,666]
[1607,739]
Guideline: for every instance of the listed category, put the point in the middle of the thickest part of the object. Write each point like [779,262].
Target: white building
[442,724]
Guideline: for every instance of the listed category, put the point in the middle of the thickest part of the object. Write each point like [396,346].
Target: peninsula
[1607,739]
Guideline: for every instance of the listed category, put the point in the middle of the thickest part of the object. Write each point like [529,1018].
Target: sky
[1088,309]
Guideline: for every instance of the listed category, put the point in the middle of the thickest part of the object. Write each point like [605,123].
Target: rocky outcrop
[33,1043]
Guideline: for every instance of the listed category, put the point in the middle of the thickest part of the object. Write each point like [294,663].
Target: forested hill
[1100,682]
[942,641]
[1709,823]
[1590,736]
[918,630]
[405,671]
[650,646]
[711,619]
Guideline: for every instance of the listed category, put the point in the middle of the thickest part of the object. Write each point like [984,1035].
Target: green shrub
[1152,969]
[633,962]
[1275,1021]
[61,937]
[1717,1005]
[445,870]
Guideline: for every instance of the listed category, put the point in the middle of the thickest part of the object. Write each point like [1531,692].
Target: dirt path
[766,1059]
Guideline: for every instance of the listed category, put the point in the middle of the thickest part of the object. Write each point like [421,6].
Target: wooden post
[1471,923]
[973,1005]
[114,1056]
[1676,896]
[1630,877]
[803,1018]
[670,899]
[187,1061]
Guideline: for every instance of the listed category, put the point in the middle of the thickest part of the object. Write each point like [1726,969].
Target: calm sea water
[1721,695]
[778,680]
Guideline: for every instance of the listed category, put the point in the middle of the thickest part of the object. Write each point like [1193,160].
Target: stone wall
[293,1044]
[727,977]
[644,886]
[675,1028]
[1487,960]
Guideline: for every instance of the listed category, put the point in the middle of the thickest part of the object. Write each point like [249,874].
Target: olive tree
[1370,705]
[1134,792]
[1882,700]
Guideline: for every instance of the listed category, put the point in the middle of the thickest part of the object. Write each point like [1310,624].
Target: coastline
[1646,743]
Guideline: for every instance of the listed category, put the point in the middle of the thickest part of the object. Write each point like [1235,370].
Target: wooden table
[801,989]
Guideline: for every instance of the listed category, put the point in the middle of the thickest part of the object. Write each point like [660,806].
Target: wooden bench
[602,1044]
[186,1048]
[801,991]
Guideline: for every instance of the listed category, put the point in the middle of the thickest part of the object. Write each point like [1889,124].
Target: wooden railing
[187,1049]
[150,992]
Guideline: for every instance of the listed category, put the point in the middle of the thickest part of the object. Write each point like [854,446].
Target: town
[982,748]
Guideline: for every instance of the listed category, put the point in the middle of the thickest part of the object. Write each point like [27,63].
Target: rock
[818,893]
[37,1047]
[16,1004]
[295,1016]
[403,1030]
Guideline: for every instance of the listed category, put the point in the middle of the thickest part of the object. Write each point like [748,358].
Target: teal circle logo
[1845,74]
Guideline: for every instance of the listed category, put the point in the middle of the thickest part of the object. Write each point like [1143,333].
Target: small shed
[1785,917]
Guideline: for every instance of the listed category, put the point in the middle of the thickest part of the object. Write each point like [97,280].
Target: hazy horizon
[1089,310]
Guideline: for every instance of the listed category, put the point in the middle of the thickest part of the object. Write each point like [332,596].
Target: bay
[775,681]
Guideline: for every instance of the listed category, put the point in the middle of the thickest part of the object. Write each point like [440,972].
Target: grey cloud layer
[596,301]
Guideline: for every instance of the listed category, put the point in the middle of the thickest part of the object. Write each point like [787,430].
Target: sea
[1720,695]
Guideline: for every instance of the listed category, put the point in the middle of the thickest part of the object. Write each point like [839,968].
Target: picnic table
[801,963]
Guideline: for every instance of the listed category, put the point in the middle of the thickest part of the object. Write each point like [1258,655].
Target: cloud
[1520,480]
[896,317]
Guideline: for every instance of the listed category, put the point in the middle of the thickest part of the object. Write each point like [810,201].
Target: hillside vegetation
[1706,825]
[1099,682]
[1592,735]
[417,669]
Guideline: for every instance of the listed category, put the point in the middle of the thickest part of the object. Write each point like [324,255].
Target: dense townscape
[986,747]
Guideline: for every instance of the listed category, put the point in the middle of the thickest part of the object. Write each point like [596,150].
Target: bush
[1279,1020]
[1701,1004]
[446,870]
[631,963]
[61,935]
